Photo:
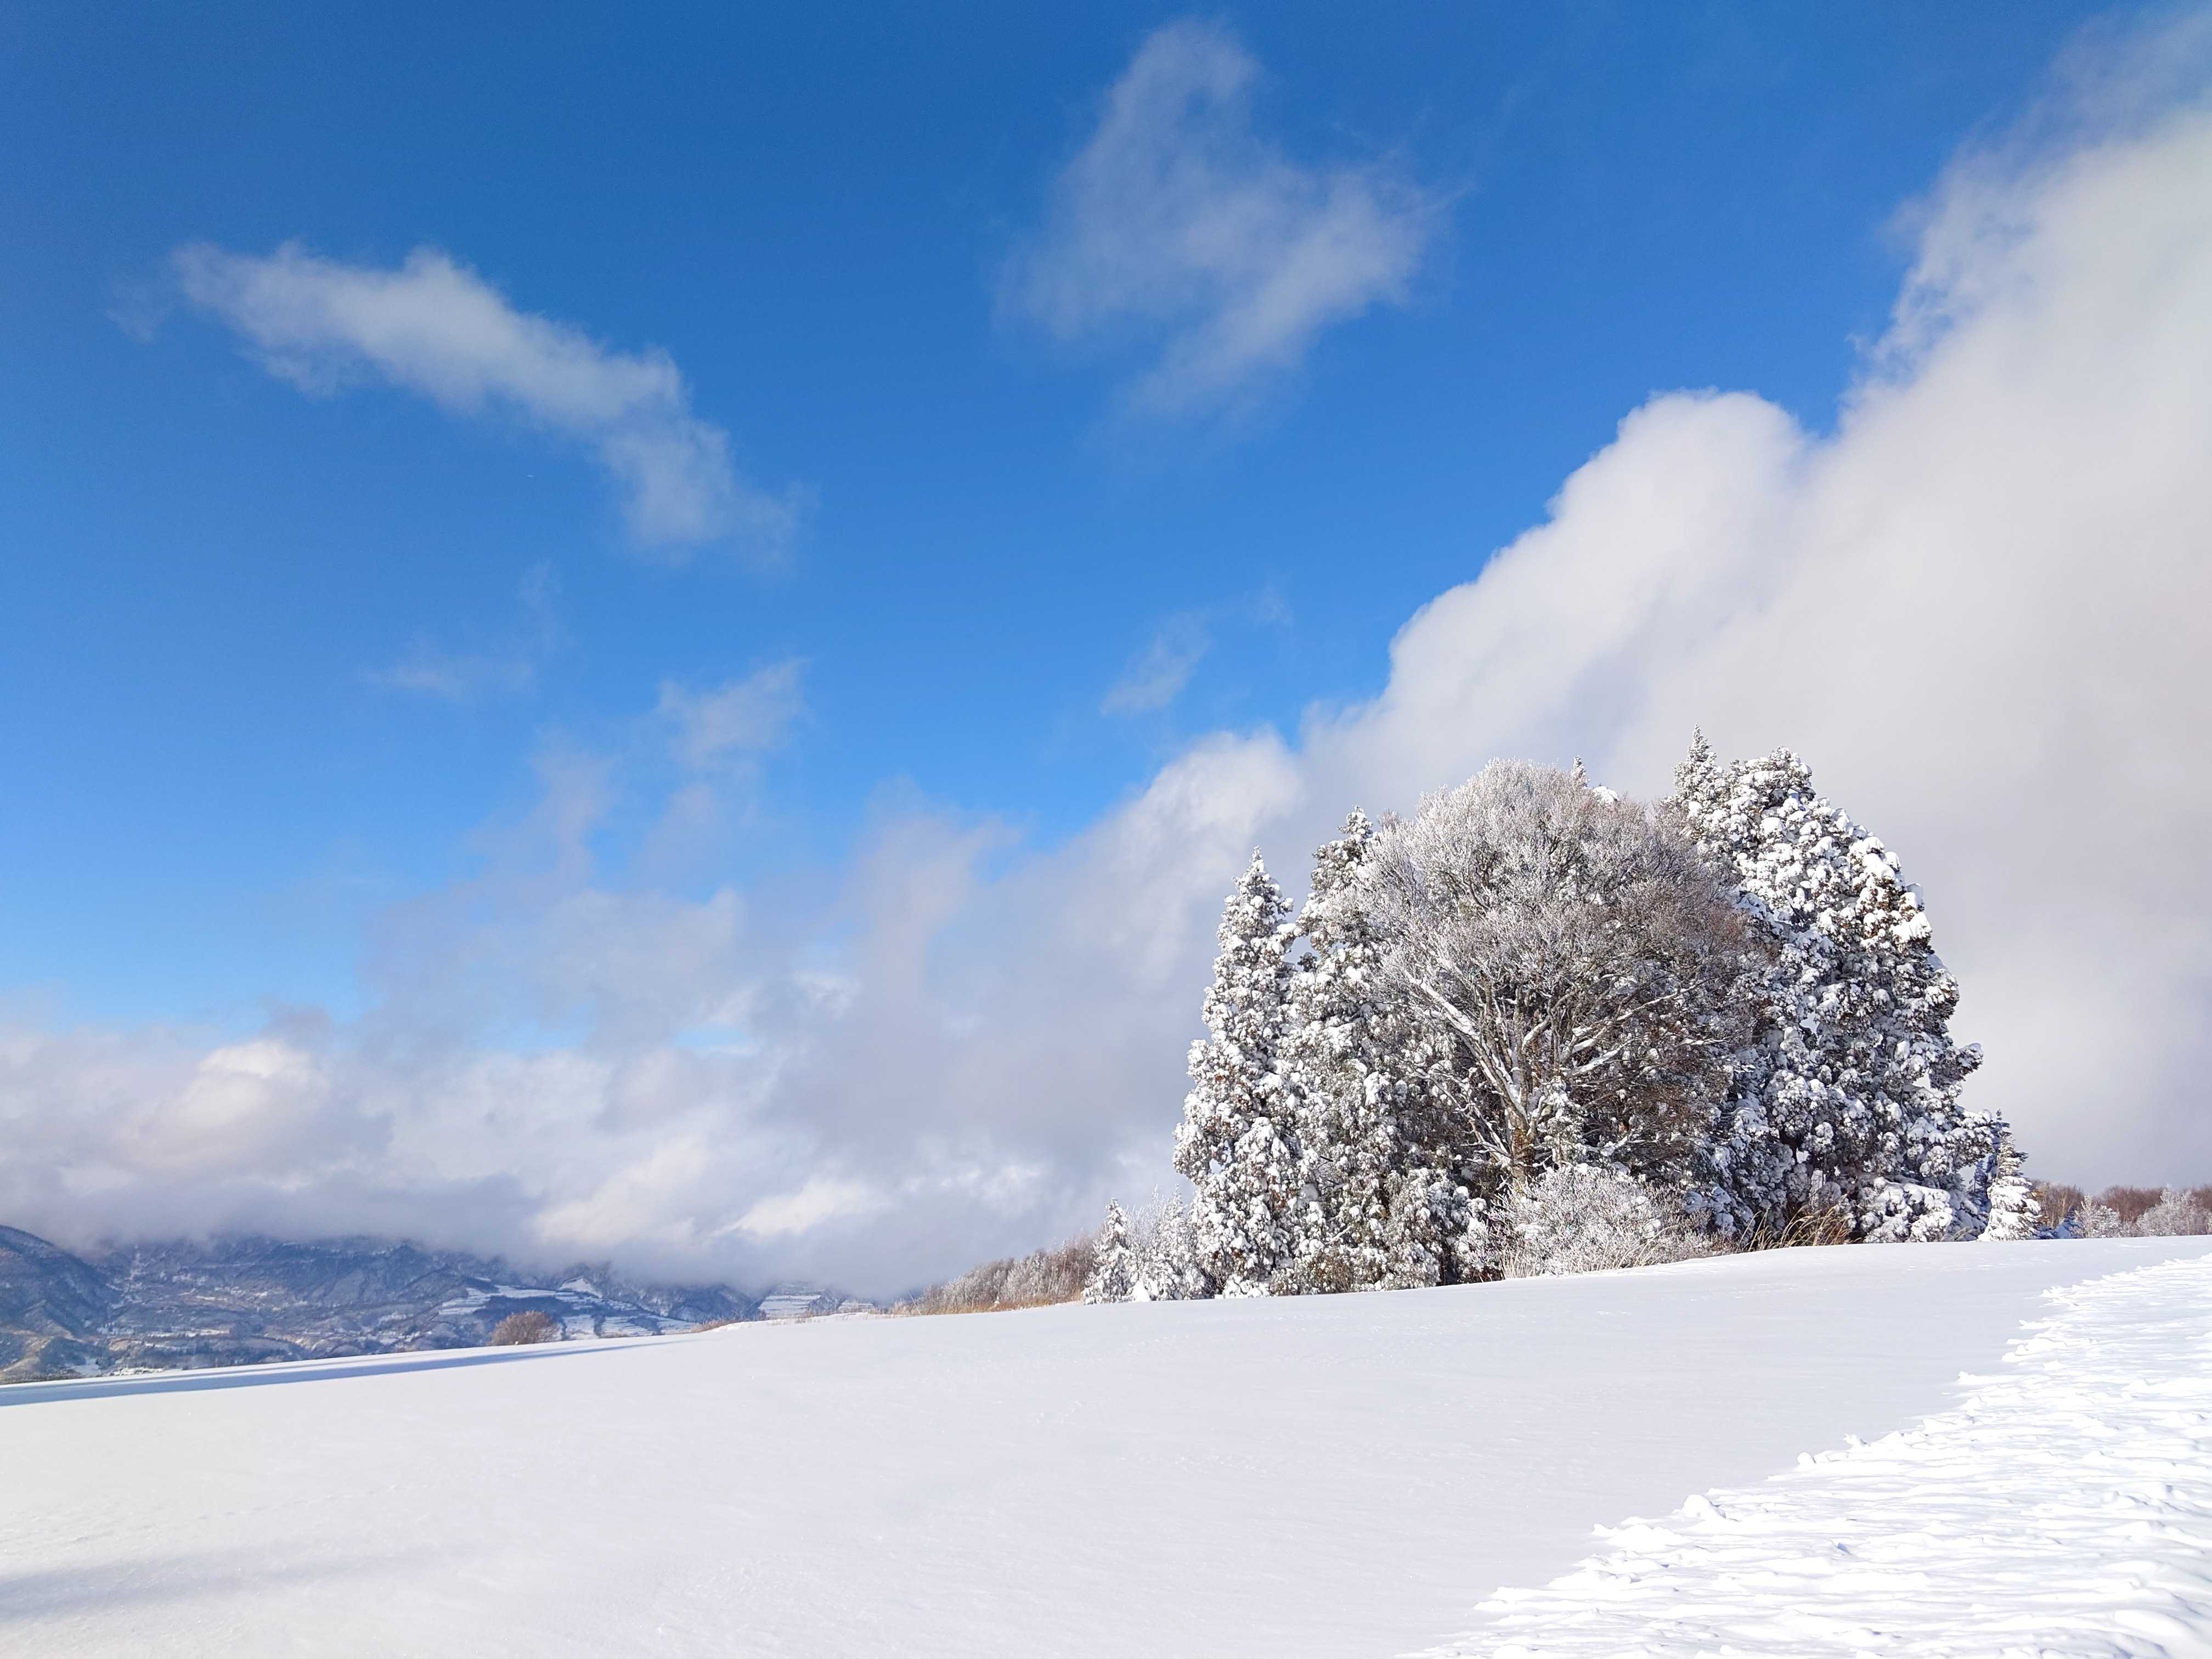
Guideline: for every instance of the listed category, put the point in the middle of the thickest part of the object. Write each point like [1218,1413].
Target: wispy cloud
[1162,668]
[1178,217]
[741,717]
[430,669]
[436,328]
[1159,673]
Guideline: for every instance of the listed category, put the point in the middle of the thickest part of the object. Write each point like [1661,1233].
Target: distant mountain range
[246,1300]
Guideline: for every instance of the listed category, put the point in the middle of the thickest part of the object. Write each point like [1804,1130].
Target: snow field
[1315,1478]
[2065,1508]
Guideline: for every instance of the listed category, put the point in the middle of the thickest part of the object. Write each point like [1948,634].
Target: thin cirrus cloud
[743,717]
[1161,670]
[433,327]
[508,666]
[1177,221]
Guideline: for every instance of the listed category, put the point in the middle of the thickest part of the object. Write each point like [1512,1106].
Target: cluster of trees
[1035,1280]
[2125,1212]
[1538,1026]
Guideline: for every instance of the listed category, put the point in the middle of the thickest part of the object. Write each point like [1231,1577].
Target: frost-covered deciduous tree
[2102,1221]
[1113,1261]
[1237,1144]
[2176,1214]
[1848,1096]
[1568,960]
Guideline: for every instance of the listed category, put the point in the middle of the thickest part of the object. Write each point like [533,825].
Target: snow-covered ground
[1346,1475]
[2064,1508]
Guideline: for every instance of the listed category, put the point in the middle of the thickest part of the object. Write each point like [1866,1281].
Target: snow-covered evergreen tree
[1336,1068]
[1167,1257]
[1238,1142]
[2011,1204]
[1113,1262]
[1848,1098]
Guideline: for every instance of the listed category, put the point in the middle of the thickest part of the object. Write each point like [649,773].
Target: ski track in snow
[2065,1508]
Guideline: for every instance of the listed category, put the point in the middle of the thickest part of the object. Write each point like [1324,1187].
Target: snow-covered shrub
[2102,1221]
[520,1329]
[1113,1262]
[1577,1219]
[2176,1214]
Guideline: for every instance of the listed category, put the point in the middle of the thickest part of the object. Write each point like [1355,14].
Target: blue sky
[813,219]
[655,634]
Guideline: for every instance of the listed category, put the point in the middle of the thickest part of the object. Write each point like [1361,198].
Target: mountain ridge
[247,1298]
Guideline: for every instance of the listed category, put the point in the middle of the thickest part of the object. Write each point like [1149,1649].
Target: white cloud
[1982,606]
[742,718]
[1161,670]
[1177,219]
[801,1212]
[436,328]
[431,669]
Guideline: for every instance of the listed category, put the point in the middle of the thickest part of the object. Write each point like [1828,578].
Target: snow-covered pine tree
[2011,1205]
[1848,1098]
[1238,1143]
[1342,1093]
[1167,1257]
[1113,1263]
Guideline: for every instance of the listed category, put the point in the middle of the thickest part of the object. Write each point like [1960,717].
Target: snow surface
[1339,1475]
[2065,1508]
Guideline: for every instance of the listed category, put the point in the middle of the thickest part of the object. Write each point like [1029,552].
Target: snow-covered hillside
[1343,1475]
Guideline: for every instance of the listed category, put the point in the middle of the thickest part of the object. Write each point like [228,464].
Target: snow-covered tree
[1238,1142]
[1335,1066]
[2176,1214]
[1568,960]
[1847,1099]
[1167,1255]
[2012,1204]
[2102,1221]
[1113,1262]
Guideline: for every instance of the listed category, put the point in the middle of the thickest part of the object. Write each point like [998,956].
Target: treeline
[2125,1212]
[1035,1280]
[1538,1026]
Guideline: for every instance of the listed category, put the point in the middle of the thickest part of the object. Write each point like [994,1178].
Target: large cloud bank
[1979,606]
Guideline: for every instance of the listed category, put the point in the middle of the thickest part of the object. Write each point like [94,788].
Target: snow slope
[2065,1508]
[1345,1476]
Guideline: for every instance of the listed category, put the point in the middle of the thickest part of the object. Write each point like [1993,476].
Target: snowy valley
[245,1300]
